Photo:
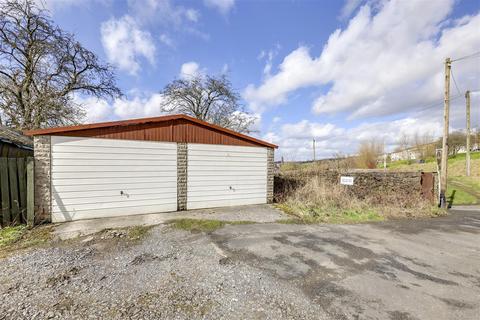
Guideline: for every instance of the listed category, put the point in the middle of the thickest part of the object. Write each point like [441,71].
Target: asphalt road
[410,269]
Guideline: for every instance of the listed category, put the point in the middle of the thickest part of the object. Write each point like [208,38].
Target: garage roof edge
[144,121]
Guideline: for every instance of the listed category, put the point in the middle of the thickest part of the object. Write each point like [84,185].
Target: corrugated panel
[179,130]
[220,175]
[94,178]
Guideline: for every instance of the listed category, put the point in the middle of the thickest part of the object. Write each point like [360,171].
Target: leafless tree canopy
[41,67]
[210,99]
[369,152]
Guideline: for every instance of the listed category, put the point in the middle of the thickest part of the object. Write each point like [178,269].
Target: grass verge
[203,225]
[310,214]
[20,237]
[463,190]
[319,202]
[138,232]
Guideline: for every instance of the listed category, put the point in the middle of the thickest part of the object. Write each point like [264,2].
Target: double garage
[145,166]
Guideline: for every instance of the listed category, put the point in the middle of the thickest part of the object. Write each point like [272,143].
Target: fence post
[30,192]
[22,187]
[13,177]
[5,191]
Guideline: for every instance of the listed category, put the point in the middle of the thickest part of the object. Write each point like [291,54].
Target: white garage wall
[88,175]
[220,175]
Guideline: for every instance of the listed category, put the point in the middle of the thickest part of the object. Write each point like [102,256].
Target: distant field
[456,165]
[461,189]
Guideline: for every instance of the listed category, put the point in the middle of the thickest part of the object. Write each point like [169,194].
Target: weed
[138,232]
[20,237]
[10,235]
[203,225]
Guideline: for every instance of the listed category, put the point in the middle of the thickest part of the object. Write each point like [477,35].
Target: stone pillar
[182,162]
[270,174]
[43,194]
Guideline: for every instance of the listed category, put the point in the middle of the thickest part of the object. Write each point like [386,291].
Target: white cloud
[189,70]
[96,110]
[162,12]
[268,56]
[166,40]
[225,69]
[56,5]
[349,7]
[139,106]
[192,15]
[223,6]
[383,63]
[125,44]
[295,139]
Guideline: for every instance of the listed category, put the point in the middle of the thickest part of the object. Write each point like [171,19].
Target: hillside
[461,189]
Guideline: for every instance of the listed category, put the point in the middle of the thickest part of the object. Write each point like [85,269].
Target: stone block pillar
[43,194]
[182,162]
[270,173]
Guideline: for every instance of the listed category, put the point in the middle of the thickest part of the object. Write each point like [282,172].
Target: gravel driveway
[397,270]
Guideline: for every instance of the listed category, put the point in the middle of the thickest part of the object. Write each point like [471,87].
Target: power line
[455,82]
[436,104]
[467,57]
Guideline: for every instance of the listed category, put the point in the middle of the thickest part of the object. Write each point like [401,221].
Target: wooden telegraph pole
[446,116]
[314,150]
[467,98]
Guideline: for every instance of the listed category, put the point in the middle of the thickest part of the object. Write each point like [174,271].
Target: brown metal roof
[157,129]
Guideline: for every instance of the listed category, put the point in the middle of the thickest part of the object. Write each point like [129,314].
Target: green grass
[456,165]
[310,215]
[203,225]
[463,190]
[138,232]
[20,237]
[10,235]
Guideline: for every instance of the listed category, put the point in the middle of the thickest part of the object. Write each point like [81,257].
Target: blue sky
[337,71]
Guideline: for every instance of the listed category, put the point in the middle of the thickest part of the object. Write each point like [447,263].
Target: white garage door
[220,175]
[94,178]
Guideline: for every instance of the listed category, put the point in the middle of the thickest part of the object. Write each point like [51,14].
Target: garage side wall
[270,173]
[42,153]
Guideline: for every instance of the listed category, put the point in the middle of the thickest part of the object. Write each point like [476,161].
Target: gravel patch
[170,274]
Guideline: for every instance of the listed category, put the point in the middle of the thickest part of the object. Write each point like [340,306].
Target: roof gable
[174,128]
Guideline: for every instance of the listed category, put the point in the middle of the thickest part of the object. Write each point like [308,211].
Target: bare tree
[368,153]
[404,142]
[424,145]
[42,67]
[210,99]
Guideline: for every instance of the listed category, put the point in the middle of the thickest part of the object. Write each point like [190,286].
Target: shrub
[318,200]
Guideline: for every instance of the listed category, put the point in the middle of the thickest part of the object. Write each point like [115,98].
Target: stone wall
[42,154]
[367,183]
[182,161]
[270,174]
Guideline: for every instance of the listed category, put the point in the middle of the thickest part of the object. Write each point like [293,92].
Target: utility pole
[313,149]
[446,116]
[467,98]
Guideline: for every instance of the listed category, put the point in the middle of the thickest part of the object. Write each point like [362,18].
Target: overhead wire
[455,82]
[467,57]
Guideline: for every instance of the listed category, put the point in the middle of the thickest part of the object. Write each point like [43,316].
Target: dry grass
[316,201]
[20,238]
